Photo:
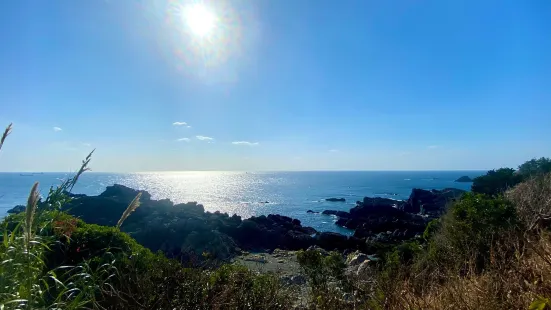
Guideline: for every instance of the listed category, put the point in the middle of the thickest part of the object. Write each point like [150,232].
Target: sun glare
[199,19]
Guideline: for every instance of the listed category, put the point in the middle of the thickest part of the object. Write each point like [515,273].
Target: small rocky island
[333,199]
[187,231]
[464,179]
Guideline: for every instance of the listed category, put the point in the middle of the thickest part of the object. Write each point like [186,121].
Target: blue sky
[303,85]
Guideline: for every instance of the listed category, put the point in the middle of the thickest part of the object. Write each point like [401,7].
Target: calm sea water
[245,193]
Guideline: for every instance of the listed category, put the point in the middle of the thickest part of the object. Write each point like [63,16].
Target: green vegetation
[535,167]
[496,182]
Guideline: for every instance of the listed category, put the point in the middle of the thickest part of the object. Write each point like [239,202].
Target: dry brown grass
[507,285]
[532,200]
[519,272]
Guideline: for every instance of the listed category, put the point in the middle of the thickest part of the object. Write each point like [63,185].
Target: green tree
[535,167]
[495,182]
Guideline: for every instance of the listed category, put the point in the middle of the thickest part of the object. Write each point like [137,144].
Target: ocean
[249,193]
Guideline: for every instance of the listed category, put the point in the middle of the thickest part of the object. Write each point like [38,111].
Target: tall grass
[26,281]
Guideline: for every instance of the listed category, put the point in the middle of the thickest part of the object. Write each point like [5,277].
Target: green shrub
[471,228]
[431,229]
[325,273]
[237,287]
[320,267]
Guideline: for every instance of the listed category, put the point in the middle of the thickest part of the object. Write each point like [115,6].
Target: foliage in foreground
[50,260]
[111,270]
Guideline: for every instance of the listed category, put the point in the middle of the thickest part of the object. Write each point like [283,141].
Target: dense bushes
[485,252]
[535,167]
[495,182]
[326,277]
[470,230]
[532,200]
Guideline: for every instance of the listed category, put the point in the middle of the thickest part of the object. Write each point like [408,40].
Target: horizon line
[253,171]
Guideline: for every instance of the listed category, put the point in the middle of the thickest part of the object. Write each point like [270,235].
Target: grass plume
[5,135]
[84,167]
[32,202]
[131,208]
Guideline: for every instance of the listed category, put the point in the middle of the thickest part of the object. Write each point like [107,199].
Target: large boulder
[332,240]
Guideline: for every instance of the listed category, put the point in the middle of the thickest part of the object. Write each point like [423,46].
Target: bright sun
[199,19]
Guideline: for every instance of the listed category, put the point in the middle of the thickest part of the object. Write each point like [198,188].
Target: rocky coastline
[188,232]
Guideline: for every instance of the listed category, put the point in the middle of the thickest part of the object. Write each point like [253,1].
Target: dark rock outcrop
[337,213]
[16,209]
[185,230]
[335,199]
[387,220]
[331,240]
[431,202]
[465,179]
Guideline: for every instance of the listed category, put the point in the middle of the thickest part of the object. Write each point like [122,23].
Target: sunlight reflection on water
[246,194]
[232,192]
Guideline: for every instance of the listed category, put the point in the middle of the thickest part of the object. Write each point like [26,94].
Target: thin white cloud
[180,124]
[333,151]
[245,143]
[204,138]
[184,139]
[56,129]
[433,146]
[86,144]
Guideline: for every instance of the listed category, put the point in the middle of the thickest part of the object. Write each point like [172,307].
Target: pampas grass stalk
[5,135]
[131,208]
[32,202]
[83,168]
